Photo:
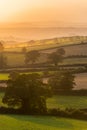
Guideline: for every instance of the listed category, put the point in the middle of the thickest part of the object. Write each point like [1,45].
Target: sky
[52,12]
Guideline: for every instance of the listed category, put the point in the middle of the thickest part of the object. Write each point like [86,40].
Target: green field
[4,76]
[17,59]
[15,122]
[63,102]
[77,102]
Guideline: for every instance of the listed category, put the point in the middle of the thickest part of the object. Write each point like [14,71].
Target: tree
[32,56]
[3,61]
[62,81]
[27,92]
[60,51]
[56,57]
[13,75]
[24,50]
[1,47]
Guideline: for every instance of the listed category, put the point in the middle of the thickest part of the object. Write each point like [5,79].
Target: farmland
[15,122]
[45,43]
[63,102]
[22,122]
[80,79]
[15,59]
[77,102]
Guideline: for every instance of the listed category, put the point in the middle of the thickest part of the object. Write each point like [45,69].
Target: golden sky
[67,11]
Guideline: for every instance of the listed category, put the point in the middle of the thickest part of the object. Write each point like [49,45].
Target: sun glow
[43,10]
[10,7]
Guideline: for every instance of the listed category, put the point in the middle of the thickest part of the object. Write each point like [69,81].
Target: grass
[4,76]
[45,43]
[21,122]
[15,122]
[67,102]
[17,59]
[72,61]
[1,96]
[77,102]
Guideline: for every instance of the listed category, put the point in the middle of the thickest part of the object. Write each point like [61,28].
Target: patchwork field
[44,43]
[15,60]
[78,49]
[18,59]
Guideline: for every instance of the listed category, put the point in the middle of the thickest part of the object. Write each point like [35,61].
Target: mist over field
[36,33]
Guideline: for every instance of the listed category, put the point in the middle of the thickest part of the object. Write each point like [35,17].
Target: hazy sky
[67,11]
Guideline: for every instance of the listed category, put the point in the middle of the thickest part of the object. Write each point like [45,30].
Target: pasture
[15,59]
[18,59]
[45,43]
[15,122]
[77,102]
[26,122]
[63,102]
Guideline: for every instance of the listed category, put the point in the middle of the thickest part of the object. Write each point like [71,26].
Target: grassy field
[15,122]
[67,102]
[4,76]
[45,43]
[17,59]
[62,102]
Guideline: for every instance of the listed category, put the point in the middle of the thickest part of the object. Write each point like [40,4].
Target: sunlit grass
[4,76]
[63,102]
[15,122]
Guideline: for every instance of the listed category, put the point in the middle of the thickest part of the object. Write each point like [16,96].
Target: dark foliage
[62,81]
[26,92]
[56,57]
[32,56]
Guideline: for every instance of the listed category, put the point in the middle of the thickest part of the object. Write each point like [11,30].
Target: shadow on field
[44,120]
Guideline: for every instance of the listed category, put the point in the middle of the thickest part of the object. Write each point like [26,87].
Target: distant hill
[45,43]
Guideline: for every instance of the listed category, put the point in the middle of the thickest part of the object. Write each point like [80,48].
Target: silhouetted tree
[3,59]
[60,51]
[32,56]
[56,57]
[27,92]
[62,81]
[1,47]
[13,75]
[24,50]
